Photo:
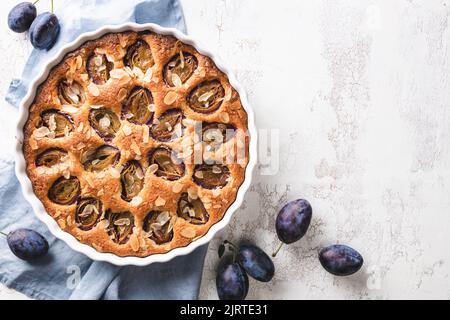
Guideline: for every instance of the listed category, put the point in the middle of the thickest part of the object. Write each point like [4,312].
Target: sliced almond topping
[199,174]
[136,201]
[62,223]
[96,106]
[216,193]
[145,134]
[41,132]
[79,62]
[153,168]
[33,143]
[93,89]
[84,76]
[160,201]
[80,127]
[148,75]
[66,174]
[170,98]
[204,97]
[228,95]
[114,172]
[126,130]
[118,74]
[176,80]
[135,148]
[134,242]
[177,187]
[225,117]
[69,108]
[192,192]
[188,232]
[100,192]
[138,72]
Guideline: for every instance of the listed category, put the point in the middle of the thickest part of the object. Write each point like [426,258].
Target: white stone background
[359,91]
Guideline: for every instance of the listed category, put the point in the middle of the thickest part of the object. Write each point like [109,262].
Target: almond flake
[134,242]
[135,148]
[188,232]
[170,98]
[225,117]
[101,192]
[80,127]
[118,74]
[69,108]
[93,89]
[228,95]
[122,94]
[84,77]
[153,168]
[148,75]
[114,172]
[177,187]
[199,174]
[79,62]
[216,193]
[33,144]
[205,97]
[66,174]
[160,201]
[192,192]
[176,80]
[126,130]
[146,134]
[41,132]
[136,201]
[138,72]
[62,223]
[96,106]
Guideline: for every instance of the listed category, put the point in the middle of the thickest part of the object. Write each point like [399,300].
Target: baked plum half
[70,92]
[131,180]
[101,158]
[50,157]
[207,97]
[57,122]
[138,105]
[139,55]
[98,68]
[169,166]
[192,210]
[105,122]
[211,176]
[88,212]
[120,226]
[159,226]
[179,69]
[169,126]
[64,191]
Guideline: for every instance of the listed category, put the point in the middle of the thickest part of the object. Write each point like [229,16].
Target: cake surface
[136,143]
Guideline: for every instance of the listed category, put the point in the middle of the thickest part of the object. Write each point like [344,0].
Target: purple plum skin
[21,17]
[256,262]
[231,282]
[340,260]
[293,221]
[27,244]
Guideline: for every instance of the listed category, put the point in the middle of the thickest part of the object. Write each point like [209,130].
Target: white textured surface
[360,92]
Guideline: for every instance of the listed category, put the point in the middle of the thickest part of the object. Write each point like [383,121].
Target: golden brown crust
[105,185]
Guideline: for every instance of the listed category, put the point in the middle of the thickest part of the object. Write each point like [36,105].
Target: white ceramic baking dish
[36,203]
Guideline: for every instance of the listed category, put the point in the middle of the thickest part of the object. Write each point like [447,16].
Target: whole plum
[44,31]
[293,221]
[340,260]
[256,262]
[21,17]
[27,244]
[231,282]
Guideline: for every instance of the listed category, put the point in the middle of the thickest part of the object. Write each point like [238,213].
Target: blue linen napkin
[63,273]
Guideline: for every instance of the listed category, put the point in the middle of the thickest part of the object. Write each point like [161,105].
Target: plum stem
[232,247]
[52,5]
[36,2]
[278,249]
[4,234]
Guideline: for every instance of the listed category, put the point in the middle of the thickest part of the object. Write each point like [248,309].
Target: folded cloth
[63,273]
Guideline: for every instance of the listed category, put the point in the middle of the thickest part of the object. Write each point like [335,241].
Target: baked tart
[136,143]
